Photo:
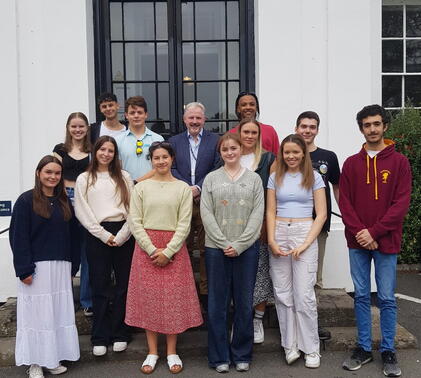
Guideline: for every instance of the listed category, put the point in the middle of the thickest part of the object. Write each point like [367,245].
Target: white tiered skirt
[46,331]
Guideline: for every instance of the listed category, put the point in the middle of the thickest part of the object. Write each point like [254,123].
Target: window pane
[233,23]
[233,90]
[392,91]
[160,127]
[216,127]
[392,21]
[188,61]
[163,101]
[210,61]
[187,20]
[188,94]
[413,21]
[213,96]
[210,20]
[392,56]
[162,60]
[233,60]
[117,61]
[138,21]
[147,90]
[232,124]
[413,90]
[116,21]
[161,21]
[118,90]
[413,56]
[140,61]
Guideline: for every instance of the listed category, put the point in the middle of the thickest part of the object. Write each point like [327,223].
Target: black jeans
[108,326]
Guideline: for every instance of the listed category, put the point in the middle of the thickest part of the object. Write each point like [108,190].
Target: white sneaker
[292,355]
[35,371]
[99,350]
[259,332]
[119,346]
[60,369]
[312,360]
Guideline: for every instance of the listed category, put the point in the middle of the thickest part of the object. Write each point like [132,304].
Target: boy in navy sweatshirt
[375,190]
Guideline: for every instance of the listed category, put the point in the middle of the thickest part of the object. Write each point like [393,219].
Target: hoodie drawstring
[368,169]
[376,189]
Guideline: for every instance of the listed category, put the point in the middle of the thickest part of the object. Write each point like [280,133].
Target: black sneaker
[390,364]
[358,358]
[87,311]
[324,334]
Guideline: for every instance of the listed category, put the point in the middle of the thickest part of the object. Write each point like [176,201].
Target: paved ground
[272,364]
[264,365]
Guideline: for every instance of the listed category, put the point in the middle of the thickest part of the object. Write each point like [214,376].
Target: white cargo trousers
[293,286]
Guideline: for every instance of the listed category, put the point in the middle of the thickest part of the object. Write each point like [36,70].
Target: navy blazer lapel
[186,152]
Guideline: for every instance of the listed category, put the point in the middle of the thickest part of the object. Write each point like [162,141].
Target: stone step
[194,343]
[335,308]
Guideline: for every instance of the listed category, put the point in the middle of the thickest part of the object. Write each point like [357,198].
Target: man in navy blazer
[195,156]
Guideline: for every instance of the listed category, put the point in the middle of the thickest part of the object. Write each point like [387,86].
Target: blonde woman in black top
[74,154]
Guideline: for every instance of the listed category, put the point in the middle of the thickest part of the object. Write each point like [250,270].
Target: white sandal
[173,360]
[150,361]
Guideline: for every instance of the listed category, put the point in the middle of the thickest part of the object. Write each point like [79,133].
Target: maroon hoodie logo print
[385,175]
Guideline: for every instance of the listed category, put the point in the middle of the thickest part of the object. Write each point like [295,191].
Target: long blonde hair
[68,141]
[258,149]
[306,167]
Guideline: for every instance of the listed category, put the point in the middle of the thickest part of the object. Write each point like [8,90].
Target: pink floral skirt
[162,299]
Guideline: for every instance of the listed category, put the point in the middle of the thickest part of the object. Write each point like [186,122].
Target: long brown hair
[258,149]
[68,141]
[40,202]
[306,167]
[114,169]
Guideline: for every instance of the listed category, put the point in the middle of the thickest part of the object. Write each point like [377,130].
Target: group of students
[129,201]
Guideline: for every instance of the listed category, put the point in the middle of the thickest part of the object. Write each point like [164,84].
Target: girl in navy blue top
[45,256]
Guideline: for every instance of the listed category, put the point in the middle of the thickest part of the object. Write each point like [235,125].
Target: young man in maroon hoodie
[375,189]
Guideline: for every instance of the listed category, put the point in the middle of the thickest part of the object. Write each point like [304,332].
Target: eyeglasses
[139,149]
[163,143]
[246,93]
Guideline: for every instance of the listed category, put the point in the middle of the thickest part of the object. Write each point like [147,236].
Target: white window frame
[404,38]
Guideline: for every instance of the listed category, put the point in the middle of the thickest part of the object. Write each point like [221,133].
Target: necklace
[235,174]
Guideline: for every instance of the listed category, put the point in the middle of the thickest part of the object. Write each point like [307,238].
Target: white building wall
[321,55]
[47,73]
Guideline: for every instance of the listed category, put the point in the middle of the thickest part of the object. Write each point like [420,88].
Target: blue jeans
[85,287]
[230,278]
[385,274]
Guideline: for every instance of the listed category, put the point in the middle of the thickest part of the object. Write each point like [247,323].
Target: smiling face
[293,155]
[77,129]
[194,120]
[109,109]
[373,129]
[308,129]
[49,177]
[105,155]
[249,135]
[136,116]
[230,152]
[247,107]
[161,161]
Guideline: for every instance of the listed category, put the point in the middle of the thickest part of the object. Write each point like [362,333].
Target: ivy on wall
[405,131]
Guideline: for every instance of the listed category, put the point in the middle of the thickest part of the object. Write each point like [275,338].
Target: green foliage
[405,130]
